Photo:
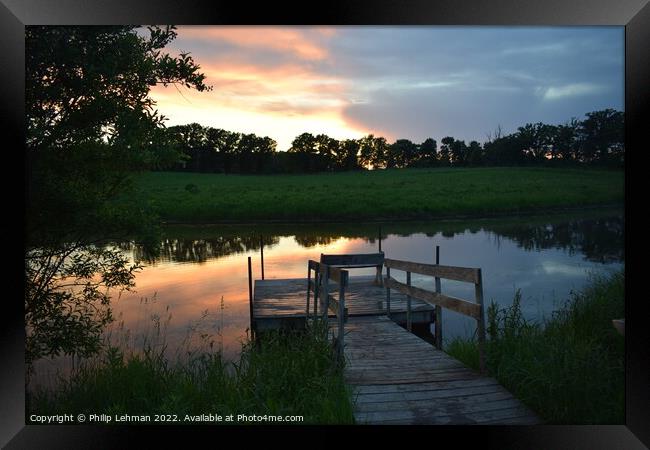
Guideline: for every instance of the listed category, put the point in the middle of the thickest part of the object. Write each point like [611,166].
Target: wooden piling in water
[408,304]
[250,293]
[379,238]
[438,311]
[262,254]
[480,325]
[387,292]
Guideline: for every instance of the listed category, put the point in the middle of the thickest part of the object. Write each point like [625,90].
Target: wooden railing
[320,286]
[437,299]
[356,261]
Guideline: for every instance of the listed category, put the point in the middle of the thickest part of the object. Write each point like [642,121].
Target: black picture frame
[633,14]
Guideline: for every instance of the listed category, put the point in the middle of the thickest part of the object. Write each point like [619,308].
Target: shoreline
[528,212]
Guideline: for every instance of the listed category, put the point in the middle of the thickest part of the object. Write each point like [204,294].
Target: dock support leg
[438,322]
[387,293]
[408,304]
[250,296]
[262,254]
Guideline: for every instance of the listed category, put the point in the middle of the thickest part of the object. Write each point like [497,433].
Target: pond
[195,292]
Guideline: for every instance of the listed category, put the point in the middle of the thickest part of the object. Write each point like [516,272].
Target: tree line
[596,140]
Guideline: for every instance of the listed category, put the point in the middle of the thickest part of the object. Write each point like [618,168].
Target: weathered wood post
[262,254]
[379,238]
[317,282]
[387,292]
[438,310]
[408,303]
[250,294]
[480,325]
[308,288]
[343,282]
[325,300]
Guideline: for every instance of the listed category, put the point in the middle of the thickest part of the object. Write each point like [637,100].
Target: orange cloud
[292,40]
[277,98]
[254,81]
[287,89]
[325,31]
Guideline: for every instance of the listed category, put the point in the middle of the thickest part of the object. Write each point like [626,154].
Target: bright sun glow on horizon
[181,110]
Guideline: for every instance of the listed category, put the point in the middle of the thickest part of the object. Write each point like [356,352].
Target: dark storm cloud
[466,81]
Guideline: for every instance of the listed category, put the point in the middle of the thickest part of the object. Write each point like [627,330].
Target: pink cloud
[284,89]
[292,40]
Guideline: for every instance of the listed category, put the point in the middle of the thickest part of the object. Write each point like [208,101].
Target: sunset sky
[397,82]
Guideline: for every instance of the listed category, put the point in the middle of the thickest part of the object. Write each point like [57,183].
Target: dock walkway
[399,378]
[396,376]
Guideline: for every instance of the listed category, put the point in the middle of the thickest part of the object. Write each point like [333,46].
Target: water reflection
[201,271]
[184,249]
[597,239]
[546,257]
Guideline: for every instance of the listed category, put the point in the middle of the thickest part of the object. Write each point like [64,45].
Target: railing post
[387,292]
[379,238]
[250,293]
[408,303]
[325,279]
[262,254]
[438,309]
[341,314]
[317,282]
[308,289]
[478,288]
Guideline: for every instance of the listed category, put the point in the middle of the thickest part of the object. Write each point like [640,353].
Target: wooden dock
[280,303]
[397,377]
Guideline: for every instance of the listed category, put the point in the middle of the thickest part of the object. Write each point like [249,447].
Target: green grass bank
[282,375]
[374,195]
[569,369]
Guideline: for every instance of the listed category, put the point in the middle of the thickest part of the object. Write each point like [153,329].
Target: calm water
[196,290]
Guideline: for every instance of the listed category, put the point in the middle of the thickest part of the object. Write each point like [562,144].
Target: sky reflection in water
[183,287]
[544,257]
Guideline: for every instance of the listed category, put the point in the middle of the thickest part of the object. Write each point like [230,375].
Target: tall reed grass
[277,374]
[569,368]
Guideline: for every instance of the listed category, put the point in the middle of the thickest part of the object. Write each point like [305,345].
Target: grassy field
[281,375]
[570,369]
[378,195]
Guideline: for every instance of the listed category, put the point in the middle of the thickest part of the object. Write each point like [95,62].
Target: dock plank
[398,378]
[275,298]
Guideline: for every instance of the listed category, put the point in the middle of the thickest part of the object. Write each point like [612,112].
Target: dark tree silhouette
[304,147]
[445,150]
[367,152]
[565,141]
[474,155]
[602,137]
[90,123]
[458,153]
[404,153]
[536,140]
[326,150]
[348,155]
[428,153]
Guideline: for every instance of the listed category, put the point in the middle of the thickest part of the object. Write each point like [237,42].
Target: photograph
[347,222]
[325,225]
